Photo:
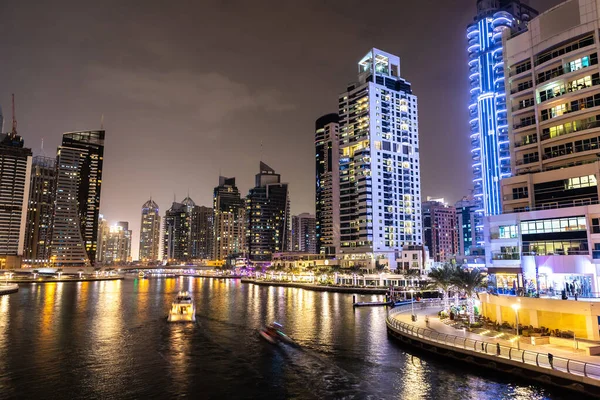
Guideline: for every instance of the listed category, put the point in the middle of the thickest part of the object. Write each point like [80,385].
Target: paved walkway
[436,325]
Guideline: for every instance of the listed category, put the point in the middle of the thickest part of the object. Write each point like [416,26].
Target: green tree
[469,281]
[443,279]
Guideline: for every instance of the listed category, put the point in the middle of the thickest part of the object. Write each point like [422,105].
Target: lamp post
[412,304]
[516,307]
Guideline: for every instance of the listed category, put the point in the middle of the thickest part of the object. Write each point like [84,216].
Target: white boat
[182,309]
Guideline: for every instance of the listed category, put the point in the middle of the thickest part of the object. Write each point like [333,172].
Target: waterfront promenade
[318,288]
[569,368]
[63,279]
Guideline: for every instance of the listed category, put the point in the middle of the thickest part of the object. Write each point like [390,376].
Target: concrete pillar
[498,314]
[591,324]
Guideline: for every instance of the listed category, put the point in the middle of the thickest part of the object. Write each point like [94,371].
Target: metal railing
[566,365]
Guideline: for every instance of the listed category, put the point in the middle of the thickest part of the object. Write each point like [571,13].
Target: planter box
[535,340]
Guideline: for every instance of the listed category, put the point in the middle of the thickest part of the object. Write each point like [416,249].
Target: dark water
[111,340]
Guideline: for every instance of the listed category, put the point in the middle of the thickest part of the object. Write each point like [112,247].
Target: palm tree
[469,281]
[442,279]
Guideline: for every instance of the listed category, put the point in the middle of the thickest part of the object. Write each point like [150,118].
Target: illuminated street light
[516,307]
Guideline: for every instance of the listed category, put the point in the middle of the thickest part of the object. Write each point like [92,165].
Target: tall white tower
[380,185]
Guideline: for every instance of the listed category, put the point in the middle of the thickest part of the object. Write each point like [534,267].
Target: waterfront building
[327,189]
[188,232]
[102,239]
[118,244]
[201,233]
[466,221]
[77,205]
[414,258]
[303,262]
[229,210]
[439,229]
[176,238]
[15,173]
[38,233]
[547,236]
[489,132]
[304,233]
[380,185]
[268,216]
[149,232]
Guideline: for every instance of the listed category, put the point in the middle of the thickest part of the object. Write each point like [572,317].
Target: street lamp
[516,307]
[412,304]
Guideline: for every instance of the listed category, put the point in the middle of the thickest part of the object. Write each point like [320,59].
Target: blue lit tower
[487,109]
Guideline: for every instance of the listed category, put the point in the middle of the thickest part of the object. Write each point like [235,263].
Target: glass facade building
[490,151]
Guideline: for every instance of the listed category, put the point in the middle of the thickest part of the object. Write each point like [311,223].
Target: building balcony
[526,141]
[505,256]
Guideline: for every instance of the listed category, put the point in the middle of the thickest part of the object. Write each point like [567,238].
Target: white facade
[380,188]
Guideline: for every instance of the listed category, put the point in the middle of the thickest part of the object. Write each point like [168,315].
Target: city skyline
[228,102]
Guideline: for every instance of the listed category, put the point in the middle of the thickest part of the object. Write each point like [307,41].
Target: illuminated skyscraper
[268,215]
[15,171]
[229,220]
[327,188]
[77,205]
[303,233]
[40,210]
[380,184]
[490,151]
[150,232]
[118,244]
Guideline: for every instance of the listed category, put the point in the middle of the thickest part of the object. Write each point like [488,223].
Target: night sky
[190,89]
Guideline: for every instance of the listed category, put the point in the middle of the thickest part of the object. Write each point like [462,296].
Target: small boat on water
[274,334]
[182,309]
[372,303]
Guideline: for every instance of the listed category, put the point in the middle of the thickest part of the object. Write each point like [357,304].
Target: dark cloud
[190,89]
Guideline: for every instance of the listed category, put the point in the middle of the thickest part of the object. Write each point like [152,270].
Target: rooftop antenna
[42,148]
[14,118]
[261,150]
[102,122]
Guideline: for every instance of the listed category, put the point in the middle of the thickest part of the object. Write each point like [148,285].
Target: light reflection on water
[111,340]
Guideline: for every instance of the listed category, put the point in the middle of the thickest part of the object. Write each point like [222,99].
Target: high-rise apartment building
[547,237]
[380,185]
[15,172]
[201,233]
[78,184]
[102,239]
[229,220]
[118,244]
[188,232]
[267,213]
[327,201]
[176,238]
[40,210]
[439,229]
[490,151]
[304,233]
[466,212]
[150,232]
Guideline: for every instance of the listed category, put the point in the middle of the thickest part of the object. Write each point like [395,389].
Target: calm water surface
[111,340]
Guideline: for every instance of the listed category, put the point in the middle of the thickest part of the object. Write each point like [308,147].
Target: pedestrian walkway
[572,362]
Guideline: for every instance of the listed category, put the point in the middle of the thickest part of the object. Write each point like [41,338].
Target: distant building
[327,190]
[150,232]
[380,184]
[303,233]
[102,239]
[187,232]
[78,185]
[201,233]
[466,222]
[15,172]
[118,244]
[267,213]
[229,220]
[439,229]
[40,211]
[176,238]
